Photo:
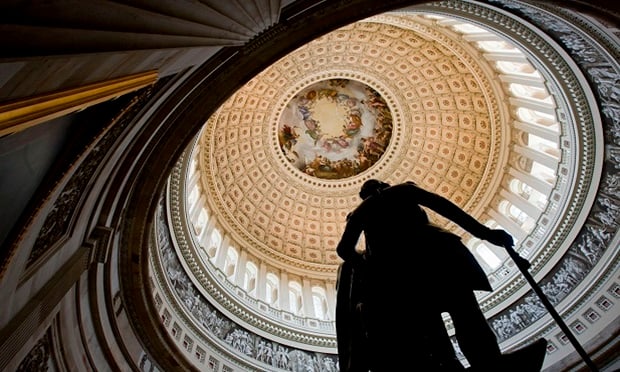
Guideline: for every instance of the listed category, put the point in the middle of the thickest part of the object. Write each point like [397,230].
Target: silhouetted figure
[408,260]
[350,327]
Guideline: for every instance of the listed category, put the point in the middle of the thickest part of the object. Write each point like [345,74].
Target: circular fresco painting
[335,129]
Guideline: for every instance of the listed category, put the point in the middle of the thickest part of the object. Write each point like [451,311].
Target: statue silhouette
[391,297]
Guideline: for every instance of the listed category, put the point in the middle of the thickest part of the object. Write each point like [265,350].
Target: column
[240,269]
[222,250]
[330,292]
[283,295]
[306,293]
[261,281]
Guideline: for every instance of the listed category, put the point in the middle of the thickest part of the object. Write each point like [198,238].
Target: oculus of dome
[335,129]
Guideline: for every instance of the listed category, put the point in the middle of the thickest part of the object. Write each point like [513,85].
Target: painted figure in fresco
[408,260]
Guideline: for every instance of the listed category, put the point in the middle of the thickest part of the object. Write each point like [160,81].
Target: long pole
[523,266]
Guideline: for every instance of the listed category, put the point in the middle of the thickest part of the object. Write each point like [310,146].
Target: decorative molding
[40,356]
[40,308]
[22,114]
[99,243]
[59,220]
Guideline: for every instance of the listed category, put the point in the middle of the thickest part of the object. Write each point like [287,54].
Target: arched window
[231,263]
[543,173]
[517,214]
[537,118]
[488,256]
[296,298]
[272,284]
[517,68]
[543,145]
[201,222]
[193,197]
[519,188]
[214,243]
[533,196]
[319,301]
[498,45]
[526,91]
[193,168]
[249,279]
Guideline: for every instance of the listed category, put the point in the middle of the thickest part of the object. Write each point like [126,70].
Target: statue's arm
[348,240]
[451,211]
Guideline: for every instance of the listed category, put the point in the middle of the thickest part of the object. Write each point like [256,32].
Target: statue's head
[372,187]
